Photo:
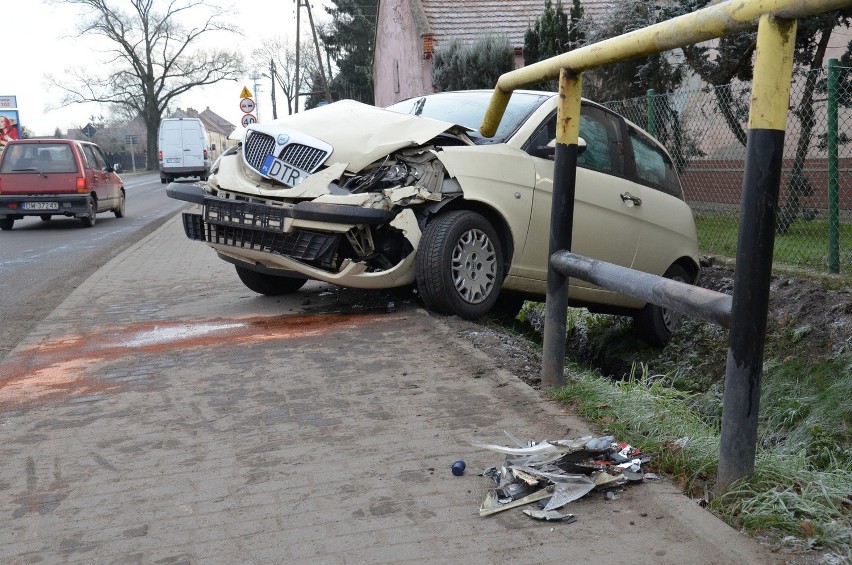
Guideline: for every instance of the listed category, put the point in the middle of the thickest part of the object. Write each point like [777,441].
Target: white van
[183,149]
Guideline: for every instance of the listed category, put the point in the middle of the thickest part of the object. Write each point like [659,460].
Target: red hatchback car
[51,177]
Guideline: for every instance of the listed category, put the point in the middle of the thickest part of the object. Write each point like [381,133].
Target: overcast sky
[38,39]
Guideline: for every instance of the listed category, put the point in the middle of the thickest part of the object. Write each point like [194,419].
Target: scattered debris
[554,473]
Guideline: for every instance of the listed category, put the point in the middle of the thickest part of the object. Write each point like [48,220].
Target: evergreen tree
[350,40]
[458,66]
[554,33]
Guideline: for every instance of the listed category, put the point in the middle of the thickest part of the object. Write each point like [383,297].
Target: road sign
[247,105]
[89,131]
[246,93]
[248,119]
[131,139]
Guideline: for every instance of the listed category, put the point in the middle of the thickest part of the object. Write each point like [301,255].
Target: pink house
[408,31]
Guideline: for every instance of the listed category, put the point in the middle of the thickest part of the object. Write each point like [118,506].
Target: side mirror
[116,168]
[581,145]
[213,147]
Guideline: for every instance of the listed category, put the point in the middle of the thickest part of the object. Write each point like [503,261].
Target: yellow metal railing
[776,22]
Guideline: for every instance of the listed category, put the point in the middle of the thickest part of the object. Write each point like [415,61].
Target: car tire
[459,265]
[270,285]
[91,216]
[7,223]
[45,217]
[120,209]
[163,180]
[656,324]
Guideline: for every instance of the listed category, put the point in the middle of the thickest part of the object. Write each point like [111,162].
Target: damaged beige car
[367,197]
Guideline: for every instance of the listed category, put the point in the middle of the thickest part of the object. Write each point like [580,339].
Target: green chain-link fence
[705,131]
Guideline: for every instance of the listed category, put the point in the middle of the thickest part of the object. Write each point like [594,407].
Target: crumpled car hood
[359,133]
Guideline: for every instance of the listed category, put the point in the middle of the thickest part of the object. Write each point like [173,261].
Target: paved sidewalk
[166,414]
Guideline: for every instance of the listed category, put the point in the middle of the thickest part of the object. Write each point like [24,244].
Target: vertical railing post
[652,111]
[833,204]
[561,227]
[761,184]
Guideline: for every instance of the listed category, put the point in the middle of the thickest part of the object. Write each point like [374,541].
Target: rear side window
[91,158]
[653,166]
[38,158]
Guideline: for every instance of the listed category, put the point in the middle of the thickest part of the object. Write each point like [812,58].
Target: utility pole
[319,55]
[255,77]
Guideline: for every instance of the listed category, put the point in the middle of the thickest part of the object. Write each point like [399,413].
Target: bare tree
[153,57]
[282,52]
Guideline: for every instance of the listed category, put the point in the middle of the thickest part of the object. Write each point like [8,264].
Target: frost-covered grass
[801,490]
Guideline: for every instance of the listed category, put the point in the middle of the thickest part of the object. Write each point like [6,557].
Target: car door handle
[625,196]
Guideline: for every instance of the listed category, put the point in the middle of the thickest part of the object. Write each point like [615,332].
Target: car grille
[310,247]
[256,147]
[259,145]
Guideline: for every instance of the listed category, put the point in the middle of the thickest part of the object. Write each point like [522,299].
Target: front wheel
[91,216]
[45,217]
[656,324]
[7,223]
[459,265]
[270,285]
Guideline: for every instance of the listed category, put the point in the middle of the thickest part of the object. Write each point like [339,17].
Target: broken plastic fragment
[492,473]
[612,495]
[603,479]
[550,516]
[491,505]
[600,443]
[542,448]
[569,491]
[651,477]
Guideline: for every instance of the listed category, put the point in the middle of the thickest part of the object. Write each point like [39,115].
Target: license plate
[283,172]
[172,159]
[41,205]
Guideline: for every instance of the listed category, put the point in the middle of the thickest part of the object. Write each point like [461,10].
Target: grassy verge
[800,493]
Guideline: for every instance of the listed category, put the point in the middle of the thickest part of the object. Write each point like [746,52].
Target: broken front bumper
[302,238]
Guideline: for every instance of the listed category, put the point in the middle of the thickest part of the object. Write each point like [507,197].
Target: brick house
[408,31]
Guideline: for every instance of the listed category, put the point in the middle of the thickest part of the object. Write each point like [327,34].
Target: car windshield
[468,108]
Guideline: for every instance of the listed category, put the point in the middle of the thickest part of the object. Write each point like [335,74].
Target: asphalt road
[41,263]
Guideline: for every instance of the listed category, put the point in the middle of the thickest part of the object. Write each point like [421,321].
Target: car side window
[653,166]
[600,131]
[604,149]
[91,158]
[101,158]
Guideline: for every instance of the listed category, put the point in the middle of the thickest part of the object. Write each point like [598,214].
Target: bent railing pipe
[694,301]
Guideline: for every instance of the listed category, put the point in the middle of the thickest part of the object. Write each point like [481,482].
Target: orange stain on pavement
[61,368]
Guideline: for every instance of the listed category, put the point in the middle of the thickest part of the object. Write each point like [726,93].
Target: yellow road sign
[246,93]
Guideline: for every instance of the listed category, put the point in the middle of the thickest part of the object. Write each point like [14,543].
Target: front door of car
[606,226]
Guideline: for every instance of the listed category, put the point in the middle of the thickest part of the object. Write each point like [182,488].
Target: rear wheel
[459,265]
[656,324]
[91,216]
[45,217]
[270,285]
[7,223]
[119,210]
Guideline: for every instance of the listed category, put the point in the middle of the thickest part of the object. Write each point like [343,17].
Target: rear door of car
[109,179]
[606,225]
[667,225]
